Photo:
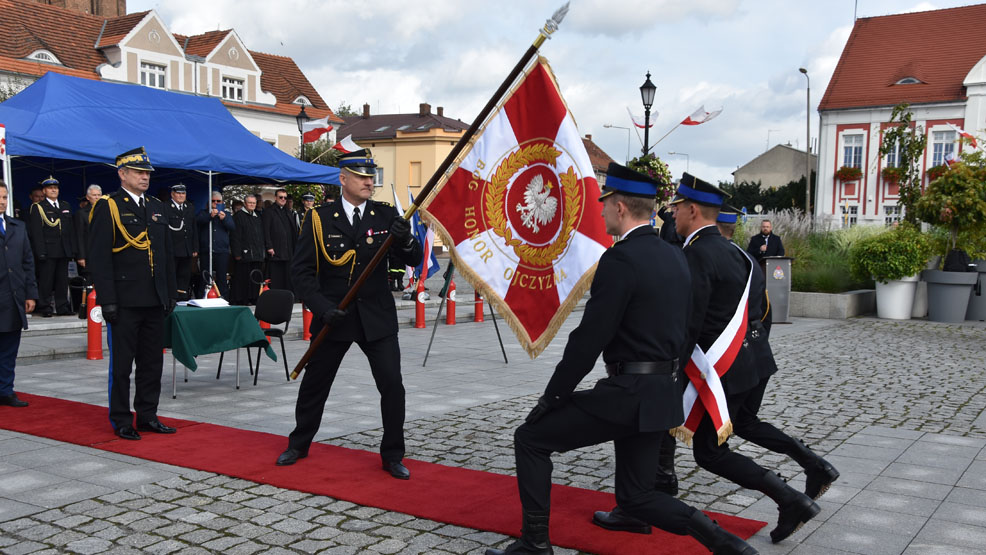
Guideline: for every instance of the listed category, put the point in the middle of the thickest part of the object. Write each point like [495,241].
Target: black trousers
[720,459]
[748,425]
[53,282]
[279,274]
[183,276]
[136,336]
[569,427]
[384,356]
[243,290]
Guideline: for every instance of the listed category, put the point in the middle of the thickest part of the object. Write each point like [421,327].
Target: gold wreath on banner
[495,196]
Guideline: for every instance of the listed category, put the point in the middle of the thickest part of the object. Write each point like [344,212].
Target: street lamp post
[807,145]
[608,126]
[647,91]
[301,118]
[685,154]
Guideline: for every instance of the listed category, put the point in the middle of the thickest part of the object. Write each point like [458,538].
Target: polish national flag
[347,145]
[972,140]
[639,122]
[701,116]
[313,129]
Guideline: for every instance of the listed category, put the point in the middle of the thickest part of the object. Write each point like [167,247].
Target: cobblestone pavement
[897,406]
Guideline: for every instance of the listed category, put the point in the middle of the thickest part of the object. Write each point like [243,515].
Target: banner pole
[550,26]
[497,328]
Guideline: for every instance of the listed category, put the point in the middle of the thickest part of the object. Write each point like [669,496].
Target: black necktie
[141,203]
[356,218]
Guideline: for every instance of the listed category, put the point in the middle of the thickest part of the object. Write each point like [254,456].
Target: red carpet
[469,498]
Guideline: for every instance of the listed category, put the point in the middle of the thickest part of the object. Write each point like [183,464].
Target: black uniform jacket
[321,285]
[280,233]
[80,223]
[125,278]
[17,281]
[637,280]
[246,241]
[51,241]
[759,326]
[775,247]
[719,272]
[184,232]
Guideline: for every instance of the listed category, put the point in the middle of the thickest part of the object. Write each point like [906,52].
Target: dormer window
[303,100]
[908,81]
[44,56]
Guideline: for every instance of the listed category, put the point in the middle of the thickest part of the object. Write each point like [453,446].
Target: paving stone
[88,546]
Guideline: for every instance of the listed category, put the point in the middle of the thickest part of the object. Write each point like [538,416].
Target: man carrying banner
[641,399]
[337,241]
[720,373]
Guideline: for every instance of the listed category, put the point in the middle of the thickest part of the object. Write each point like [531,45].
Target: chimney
[425,109]
[588,137]
[441,112]
[366,111]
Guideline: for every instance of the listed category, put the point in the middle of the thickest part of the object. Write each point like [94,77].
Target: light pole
[647,91]
[301,118]
[685,154]
[608,126]
[807,145]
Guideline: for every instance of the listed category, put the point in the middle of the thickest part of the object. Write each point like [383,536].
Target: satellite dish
[758,208]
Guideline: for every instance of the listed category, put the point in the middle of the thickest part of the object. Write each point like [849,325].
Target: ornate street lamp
[647,91]
[301,118]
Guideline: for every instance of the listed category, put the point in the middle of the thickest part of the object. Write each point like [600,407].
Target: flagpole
[662,138]
[550,26]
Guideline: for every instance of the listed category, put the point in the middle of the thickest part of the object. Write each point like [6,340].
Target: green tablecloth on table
[191,331]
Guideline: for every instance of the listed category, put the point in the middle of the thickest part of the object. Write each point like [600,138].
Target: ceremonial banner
[520,211]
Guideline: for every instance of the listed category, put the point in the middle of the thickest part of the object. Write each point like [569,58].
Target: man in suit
[184,237]
[18,293]
[81,222]
[132,266]
[765,243]
[53,242]
[218,221]
[280,234]
[640,400]
[246,243]
[337,242]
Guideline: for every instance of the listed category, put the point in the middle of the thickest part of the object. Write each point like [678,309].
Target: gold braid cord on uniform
[320,251]
[141,242]
[44,217]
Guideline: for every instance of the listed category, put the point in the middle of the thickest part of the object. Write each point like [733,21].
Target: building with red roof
[932,60]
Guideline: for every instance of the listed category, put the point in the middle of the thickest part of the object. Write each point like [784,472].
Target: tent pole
[208,207]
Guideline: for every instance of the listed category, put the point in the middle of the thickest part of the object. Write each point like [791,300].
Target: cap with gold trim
[623,180]
[694,189]
[728,214]
[359,162]
[50,182]
[135,159]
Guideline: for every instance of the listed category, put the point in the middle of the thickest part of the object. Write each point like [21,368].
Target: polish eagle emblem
[539,206]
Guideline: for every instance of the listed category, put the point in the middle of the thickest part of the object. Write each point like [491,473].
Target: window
[893,157]
[232,89]
[152,75]
[908,81]
[381,129]
[942,145]
[852,151]
[849,214]
[891,214]
[378,180]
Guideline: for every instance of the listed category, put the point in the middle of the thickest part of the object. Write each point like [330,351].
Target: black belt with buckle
[642,368]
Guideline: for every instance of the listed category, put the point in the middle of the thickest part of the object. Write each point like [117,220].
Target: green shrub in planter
[896,254]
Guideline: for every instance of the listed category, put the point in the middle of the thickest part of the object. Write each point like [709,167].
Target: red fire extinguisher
[94,328]
[478,317]
[306,322]
[450,313]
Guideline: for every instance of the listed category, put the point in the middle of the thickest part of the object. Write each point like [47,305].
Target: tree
[907,142]
[345,110]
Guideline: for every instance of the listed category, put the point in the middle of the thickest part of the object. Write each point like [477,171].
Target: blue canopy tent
[73,128]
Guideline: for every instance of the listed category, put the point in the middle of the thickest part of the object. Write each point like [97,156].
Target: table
[191,331]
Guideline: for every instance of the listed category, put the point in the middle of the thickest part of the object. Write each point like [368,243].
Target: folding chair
[274,306]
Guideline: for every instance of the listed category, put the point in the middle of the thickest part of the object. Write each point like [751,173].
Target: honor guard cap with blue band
[50,182]
[179,188]
[135,159]
[727,214]
[308,196]
[694,189]
[359,162]
[623,180]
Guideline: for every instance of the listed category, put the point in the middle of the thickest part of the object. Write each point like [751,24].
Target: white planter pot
[895,299]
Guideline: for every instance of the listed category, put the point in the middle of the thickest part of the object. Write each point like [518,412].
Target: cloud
[615,19]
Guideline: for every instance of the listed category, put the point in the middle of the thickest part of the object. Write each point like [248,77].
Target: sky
[739,55]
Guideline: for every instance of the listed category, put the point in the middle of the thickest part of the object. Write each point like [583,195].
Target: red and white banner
[347,145]
[965,135]
[519,212]
[704,370]
[639,122]
[312,130]
[700,116]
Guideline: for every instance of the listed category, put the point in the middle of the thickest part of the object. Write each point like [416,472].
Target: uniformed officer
[280,234]
[132,266]
[720,272]
[641,399]
[53,242]
[184,238]
[337,241]
[246,243]
[819,473]
[307,203]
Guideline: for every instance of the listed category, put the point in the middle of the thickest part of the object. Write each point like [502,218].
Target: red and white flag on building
[639,122]
[700,116]
[347,145]
[313,129]
[519,211]
[3,140]
[965,135]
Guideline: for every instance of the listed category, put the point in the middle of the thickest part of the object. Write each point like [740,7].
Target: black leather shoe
[156,426]
[12,401]
[819,477]
[127,432]
[397,470]
[290,457]
[619,521]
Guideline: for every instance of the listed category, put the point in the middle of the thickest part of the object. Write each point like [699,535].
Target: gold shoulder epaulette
[383,203]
